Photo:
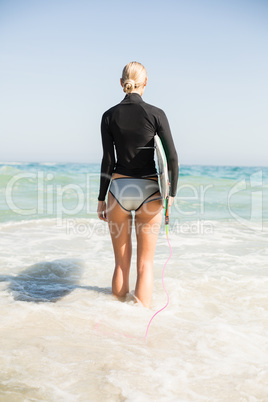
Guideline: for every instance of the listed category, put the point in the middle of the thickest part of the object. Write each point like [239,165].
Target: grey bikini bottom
[131,193]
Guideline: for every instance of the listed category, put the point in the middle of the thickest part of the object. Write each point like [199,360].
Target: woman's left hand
[102,211]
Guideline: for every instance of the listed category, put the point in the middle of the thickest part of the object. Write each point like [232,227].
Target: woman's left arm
[102,211]
[107,166]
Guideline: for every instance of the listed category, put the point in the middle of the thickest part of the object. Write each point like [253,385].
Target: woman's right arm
[164,132]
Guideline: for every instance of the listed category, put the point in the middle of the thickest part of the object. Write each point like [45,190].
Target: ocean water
[65,337]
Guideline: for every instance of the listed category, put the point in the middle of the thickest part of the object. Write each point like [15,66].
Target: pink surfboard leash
[166,227]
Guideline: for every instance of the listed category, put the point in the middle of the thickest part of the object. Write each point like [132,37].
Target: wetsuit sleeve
[163,130]
[108,159]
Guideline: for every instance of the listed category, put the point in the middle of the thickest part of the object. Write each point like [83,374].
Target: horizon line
[99,163]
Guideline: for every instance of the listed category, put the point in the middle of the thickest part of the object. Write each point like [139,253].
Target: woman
[130,127]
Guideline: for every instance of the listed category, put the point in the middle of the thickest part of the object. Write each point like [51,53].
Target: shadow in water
[48,281]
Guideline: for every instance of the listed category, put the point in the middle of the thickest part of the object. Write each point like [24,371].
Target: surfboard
[162,167]
[162,172]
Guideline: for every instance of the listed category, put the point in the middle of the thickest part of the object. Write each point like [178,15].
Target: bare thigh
[147,225]
[120,225]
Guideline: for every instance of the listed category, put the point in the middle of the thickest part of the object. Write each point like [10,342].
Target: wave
[8,170]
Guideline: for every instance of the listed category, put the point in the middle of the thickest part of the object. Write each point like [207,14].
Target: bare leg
[147,226]
[120,225]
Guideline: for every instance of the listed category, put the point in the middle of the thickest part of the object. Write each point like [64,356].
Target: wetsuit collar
[132,98]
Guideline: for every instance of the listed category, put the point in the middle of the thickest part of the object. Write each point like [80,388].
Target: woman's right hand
[170,202]
[102,211]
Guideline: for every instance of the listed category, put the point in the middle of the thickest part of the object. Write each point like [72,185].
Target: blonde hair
[133,76]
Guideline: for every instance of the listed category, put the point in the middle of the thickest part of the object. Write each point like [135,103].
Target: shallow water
[64,336]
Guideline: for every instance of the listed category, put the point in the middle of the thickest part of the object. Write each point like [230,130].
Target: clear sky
[207,64]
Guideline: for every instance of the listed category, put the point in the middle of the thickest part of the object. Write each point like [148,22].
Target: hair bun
[129,85]
[133,76]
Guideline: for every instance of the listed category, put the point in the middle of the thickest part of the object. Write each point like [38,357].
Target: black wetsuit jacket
[128,126]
